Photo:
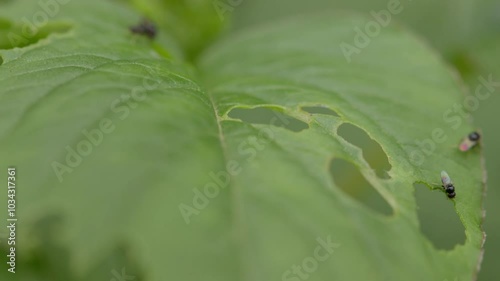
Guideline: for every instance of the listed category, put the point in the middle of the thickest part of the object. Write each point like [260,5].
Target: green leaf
[120,142]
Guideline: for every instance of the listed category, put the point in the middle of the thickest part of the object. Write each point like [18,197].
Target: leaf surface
[142,134]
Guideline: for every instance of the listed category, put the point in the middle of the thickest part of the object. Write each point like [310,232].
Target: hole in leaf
[262,115]
[438,220]
[347,177]
[319,110]
[372,151]
[20,35]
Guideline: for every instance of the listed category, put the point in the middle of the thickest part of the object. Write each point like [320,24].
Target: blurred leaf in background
[193,23]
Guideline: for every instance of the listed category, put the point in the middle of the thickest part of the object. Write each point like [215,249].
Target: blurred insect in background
[470,141]
[145,27]
[447,185]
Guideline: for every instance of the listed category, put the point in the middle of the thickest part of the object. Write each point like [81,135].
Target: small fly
[145,27]
[470,141]
[447,185]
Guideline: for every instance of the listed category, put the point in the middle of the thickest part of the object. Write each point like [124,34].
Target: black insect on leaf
[146,28]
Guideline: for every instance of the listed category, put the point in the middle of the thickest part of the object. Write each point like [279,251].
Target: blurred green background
[467,35]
